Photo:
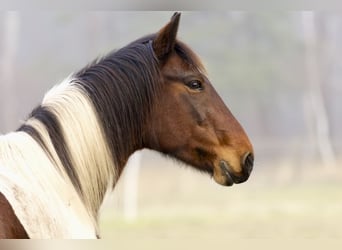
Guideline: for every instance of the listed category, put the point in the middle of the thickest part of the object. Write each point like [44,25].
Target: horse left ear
[165,40]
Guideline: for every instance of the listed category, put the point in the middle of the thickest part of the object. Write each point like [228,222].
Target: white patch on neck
[28,175]
[85,139]
[45,203]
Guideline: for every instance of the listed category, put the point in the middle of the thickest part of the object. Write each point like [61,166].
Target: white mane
[29,174]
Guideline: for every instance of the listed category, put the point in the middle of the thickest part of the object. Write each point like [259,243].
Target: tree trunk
[317,113]
[10,43]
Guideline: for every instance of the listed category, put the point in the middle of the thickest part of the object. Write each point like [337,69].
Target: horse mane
[116,93]
[122,87]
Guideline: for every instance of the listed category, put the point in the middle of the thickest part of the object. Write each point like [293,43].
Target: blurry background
[278,72]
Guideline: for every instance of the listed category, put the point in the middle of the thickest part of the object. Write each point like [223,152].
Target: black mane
[122,87]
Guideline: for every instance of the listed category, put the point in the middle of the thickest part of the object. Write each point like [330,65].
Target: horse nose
[247,163]
[247,167]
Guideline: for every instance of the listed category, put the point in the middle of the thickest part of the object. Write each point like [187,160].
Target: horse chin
[223,180]
[222,175]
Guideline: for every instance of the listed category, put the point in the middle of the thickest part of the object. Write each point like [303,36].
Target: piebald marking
[29,175]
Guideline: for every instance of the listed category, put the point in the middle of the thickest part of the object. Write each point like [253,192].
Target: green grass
[190,206]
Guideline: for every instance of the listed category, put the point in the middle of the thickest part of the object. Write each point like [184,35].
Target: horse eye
[195,84]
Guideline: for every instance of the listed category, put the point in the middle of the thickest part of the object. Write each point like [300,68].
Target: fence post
[131,181]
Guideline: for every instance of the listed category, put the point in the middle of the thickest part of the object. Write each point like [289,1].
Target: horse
[154,93]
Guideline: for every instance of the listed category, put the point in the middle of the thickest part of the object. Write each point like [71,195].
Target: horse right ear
[165,40]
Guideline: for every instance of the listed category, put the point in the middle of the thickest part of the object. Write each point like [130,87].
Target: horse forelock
[181,49]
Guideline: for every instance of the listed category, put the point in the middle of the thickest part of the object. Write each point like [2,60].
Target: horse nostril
[248,163]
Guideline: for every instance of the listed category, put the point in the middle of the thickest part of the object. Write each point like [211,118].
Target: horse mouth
[225,176]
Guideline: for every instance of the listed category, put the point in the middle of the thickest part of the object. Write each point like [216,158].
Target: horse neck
[79,140]
[101,115]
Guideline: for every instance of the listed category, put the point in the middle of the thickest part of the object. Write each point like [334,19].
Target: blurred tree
[316,108]
[9,50]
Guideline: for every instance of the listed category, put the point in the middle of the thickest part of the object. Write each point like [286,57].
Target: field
[177,206]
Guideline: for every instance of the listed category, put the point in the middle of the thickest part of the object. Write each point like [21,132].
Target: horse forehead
[177,65]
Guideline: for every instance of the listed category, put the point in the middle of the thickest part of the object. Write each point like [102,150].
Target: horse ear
[165,39]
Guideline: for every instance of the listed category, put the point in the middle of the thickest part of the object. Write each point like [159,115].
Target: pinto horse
[154,93]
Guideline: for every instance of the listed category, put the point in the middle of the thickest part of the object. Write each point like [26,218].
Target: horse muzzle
[225,175]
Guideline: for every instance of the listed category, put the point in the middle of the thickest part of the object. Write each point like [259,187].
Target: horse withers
[153,93]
